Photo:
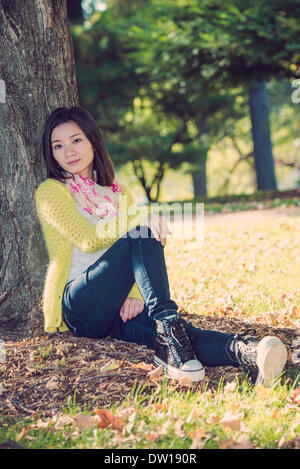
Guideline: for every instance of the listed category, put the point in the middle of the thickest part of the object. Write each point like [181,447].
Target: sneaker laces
[244,336]
[178,340]
[245,348]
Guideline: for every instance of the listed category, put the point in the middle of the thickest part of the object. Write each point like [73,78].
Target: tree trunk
[199,177]
[37,67]
[263,156]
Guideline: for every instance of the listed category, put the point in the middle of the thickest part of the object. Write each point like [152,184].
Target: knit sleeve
[56,208]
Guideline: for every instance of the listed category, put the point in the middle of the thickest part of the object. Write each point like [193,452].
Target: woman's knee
[141,232]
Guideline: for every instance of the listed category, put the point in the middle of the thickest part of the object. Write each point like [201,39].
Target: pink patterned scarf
[100,201]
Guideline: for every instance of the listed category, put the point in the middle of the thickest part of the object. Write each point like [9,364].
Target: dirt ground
[43,373]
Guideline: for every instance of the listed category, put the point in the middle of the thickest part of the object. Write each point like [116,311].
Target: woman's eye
[56,147]
[77,140]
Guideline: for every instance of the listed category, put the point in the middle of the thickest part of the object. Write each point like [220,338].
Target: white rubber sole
[193,370]
[271,359]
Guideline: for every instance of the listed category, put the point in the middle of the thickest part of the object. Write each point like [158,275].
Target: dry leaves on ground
[46,373]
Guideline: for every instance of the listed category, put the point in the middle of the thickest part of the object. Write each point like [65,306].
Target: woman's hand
[158,226]
[131,308]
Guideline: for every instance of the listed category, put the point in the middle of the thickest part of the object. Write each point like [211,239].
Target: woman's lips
[73,162]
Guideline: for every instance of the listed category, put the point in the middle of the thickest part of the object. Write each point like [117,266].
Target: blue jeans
[92,301]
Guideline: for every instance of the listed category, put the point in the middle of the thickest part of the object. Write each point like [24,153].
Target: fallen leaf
[162,407]
[130,424]
[156,373]
[295,395]
[281,442]
[293,311]
[75,358]
[53,384]
[245,429]
[160,431]
[60,351]
[243,442]
[235,407]
[259,388]
[62,420]
[227,444]
[294,443]
[214,418]
[186,382]
[22,433]
[111,365]
[230,387]
[199,433]
[127,412]
[40,423]
[192,416]
[143,366]
[152,436]
[178,428]
[83,421]
[107,418]
[231,421]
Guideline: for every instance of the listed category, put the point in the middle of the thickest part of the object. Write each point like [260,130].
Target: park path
[249,217]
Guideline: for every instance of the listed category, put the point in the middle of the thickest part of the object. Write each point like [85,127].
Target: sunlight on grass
[244,272]
[236,415]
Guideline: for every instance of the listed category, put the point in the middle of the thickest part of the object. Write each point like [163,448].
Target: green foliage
[107,60]
[234,40]
[167,81]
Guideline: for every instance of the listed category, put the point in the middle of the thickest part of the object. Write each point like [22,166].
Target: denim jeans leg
[211,347]
[150,273]
[92,301]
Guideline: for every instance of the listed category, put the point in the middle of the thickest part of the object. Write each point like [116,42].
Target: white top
[82,260]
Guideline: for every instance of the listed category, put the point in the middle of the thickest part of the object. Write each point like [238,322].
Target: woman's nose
[69,150]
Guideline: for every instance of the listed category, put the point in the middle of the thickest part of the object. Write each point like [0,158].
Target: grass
[237,203]
[235,416]
[237,272]
[247,272]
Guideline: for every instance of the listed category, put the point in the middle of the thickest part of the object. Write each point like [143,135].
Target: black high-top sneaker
[173,350]
[262,359]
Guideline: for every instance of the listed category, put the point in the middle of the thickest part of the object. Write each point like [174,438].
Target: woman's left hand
[131,308]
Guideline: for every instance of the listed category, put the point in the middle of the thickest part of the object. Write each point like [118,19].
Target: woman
[107,274]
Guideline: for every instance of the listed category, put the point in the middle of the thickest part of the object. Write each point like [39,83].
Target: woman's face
[72,150]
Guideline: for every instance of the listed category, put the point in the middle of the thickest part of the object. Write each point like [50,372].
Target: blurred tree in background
[171,81]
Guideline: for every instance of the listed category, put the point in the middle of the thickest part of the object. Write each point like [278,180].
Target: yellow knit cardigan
[64,226]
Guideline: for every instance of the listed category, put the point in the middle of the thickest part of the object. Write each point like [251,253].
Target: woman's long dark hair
[102,162]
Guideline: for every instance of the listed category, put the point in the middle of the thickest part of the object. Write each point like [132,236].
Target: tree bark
[263,156]
[37,67]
